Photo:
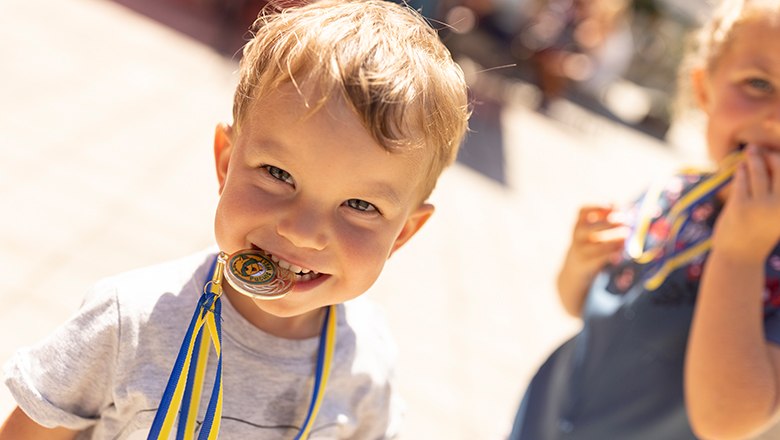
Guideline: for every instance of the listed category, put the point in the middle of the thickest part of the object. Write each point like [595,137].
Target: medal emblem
[253,273]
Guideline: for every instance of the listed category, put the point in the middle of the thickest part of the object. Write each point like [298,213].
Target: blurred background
[617,58]
[108,110]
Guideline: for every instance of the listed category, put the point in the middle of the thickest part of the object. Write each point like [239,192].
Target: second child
[681,305]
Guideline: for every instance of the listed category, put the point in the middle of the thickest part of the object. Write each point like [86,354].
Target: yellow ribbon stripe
[675,262]
[170,417]
[197,390]
[727,169]
[203,327]
[677,217]
[330,344]
[212,330]
[206,328]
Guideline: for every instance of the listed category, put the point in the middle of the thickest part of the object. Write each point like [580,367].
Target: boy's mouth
[302,274]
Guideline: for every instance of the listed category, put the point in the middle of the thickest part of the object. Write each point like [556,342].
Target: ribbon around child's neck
[665,258]
[183,392]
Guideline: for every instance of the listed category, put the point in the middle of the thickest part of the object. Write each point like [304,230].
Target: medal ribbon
[183,392]
[664,259]
[322,372]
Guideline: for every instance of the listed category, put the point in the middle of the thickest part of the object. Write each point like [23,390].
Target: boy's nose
[304,227]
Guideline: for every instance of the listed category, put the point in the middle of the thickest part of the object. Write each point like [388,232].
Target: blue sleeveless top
[621,376]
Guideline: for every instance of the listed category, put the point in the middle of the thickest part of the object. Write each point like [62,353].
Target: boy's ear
[700,86]
[414,222]
[223,143]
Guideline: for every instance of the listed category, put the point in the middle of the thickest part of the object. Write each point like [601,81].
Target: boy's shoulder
[367,330]
[364,314]
[146,286]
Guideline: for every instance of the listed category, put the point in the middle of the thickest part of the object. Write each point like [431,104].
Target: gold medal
[253,273]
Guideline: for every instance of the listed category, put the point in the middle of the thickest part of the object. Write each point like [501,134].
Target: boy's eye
[361,205]
[279,174]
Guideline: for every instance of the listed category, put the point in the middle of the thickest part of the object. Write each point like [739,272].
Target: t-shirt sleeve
[392,411]
[380,407]
[382,412]
[65,380]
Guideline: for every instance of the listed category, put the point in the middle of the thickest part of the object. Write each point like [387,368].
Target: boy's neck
[302,326]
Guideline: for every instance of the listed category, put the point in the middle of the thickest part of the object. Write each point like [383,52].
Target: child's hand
[728,323]
[598,238]
[749,226]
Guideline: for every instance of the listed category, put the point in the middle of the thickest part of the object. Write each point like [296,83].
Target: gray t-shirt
[105,369]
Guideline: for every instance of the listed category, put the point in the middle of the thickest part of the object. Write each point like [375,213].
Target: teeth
[291,267]
[305,277]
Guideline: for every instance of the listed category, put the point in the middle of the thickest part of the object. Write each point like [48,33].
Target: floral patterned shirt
[699,226]
[621,376]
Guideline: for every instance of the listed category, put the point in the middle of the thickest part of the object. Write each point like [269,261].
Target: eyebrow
[372,190]
[384,192]
[265,144]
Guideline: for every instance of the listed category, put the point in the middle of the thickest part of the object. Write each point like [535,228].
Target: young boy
[344,117]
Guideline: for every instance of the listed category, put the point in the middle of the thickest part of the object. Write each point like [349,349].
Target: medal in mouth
[253,273]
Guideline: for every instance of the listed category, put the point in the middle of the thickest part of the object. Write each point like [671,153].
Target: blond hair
[381,58]
[709,41]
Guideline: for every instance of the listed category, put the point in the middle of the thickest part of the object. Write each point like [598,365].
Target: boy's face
[317,192]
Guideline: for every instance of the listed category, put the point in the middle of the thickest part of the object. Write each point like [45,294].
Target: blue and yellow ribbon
[665,259]
[183,392]
[322,373]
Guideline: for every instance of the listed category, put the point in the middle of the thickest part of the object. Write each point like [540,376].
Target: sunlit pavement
[106,165]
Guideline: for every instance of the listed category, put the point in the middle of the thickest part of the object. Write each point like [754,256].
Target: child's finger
[617,218]
[739,185]
[758,180]
[594,219]
[773,162]
[580,231]
[590,232]
[593,213]
[602,252]
[611,235]
[582,234]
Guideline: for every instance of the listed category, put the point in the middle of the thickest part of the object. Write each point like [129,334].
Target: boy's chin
[286,307]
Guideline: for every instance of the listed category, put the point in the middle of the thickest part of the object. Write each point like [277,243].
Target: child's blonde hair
[709,41]
[717,32]
[382,58]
